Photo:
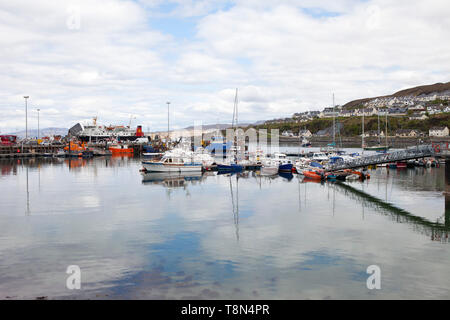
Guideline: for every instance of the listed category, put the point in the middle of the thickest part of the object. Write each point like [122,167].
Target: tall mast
[363,129]
[386,112]
[334,124]
[235,111]
[379,138]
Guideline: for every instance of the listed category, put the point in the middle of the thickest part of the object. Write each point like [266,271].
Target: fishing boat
[269,168]
[284,164]
[120,148]
[172,163]
[319,156]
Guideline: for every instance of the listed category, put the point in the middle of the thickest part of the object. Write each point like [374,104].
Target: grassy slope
[353,125]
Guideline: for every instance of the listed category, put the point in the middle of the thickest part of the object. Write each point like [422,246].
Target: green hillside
[353,125]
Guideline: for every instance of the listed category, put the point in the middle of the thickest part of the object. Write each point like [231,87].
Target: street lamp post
[26,117]
[38,123]
[168,135]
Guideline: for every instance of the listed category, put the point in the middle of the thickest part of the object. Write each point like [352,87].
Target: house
[373,133]
[329,112]
[314,114]
[305,133]
[434,110]
[367,112]
[287,133]
[407,133]
[397,111]
[416,108]
[418,116]
[438,132]
[347,113]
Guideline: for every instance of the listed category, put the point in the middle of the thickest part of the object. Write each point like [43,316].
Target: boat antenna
[235,111]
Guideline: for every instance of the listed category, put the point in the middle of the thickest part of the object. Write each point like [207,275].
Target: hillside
[353,126]
[411,92]
[43,132]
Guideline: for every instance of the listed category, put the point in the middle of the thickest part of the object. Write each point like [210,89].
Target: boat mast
[334,124]
[379,138]
[386,112]
[235,111]
[363,129]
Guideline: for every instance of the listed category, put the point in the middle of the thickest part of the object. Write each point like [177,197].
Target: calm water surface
[218,236]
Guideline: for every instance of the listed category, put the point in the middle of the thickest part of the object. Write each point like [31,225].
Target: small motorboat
[330,176]
[312,175]
[352,177]
[401,164]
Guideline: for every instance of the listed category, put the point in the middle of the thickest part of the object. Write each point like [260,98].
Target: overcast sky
[121,59]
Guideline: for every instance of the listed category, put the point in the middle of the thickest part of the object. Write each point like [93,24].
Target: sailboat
[379,147]
[232,166]
[331,147]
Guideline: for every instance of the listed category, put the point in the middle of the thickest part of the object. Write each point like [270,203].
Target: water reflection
[235,236]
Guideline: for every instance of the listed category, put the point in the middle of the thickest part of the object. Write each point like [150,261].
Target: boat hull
[286,167]
[312,175]
[229,168]
[377,148]
[269,170]
[162,167]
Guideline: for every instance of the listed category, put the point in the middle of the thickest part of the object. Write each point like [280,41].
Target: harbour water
[212,236]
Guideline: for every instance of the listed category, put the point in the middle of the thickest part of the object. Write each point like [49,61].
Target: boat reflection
[172,179]
[286,175]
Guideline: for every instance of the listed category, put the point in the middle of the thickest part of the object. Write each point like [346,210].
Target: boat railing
[394,156]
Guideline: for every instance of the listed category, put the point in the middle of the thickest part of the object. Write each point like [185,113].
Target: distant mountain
[220,126]
[45,132]
[412,92]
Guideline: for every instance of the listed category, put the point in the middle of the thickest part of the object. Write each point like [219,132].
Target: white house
[418,116]
[305,133]
[438,132]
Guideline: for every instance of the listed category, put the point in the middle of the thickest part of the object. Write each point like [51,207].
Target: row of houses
[414,112]
[403,133]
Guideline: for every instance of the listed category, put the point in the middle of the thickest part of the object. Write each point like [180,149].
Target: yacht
[173,163]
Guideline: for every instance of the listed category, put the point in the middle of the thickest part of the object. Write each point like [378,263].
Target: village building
[438,132]
[418,116]
[305,133]
[410,133]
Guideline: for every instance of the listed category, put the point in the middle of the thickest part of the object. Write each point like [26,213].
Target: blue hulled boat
[285,167]
[232,167]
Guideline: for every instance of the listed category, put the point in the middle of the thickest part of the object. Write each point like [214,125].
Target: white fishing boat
[172,163]
[319,156]
[269,168]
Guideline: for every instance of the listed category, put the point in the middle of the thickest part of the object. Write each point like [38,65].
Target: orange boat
[312,175]
[120,149]
[359,173]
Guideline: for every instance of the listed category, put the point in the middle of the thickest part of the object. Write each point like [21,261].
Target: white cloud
[284,58]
